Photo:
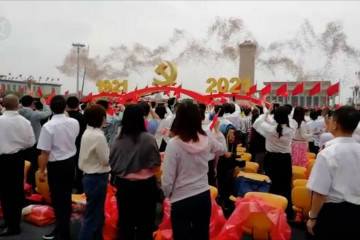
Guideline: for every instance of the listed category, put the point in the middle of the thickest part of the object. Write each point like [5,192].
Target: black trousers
[313,148]
[338,221]
[32,154]
[226,180]
[61,177]
[136,201]
[278,168]
[211,173]
[12,188]
[78,182]
[190,217]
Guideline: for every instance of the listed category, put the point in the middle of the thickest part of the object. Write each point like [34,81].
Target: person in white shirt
[325,135]
[17,135]
[94,162]
[300,143]
[57,145]
[35,118]
[311,125]
[185,168]
[232,113]
[277,161]
[334,180]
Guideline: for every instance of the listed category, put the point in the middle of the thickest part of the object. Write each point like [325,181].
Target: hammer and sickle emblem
[169,76]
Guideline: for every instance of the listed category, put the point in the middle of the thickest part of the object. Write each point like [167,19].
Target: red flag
[212,125]
[53,94]
[66,93]
[40,92]
[298,89]
[333,89]
[111,112]
[4,88]
[316,89]
[282,90]
[21,90]
[252,90]
[266,89]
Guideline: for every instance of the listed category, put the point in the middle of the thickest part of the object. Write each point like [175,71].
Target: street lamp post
[356,89]
[78,46]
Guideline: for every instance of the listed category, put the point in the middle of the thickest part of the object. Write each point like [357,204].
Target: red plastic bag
[232,230]
[39,215]
[35,198]
[217,220]
[164,231]
[110,229]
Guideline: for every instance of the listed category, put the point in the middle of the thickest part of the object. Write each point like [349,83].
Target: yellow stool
[301,199]
[251,167]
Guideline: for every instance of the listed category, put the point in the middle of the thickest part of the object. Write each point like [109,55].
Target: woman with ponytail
[277,161]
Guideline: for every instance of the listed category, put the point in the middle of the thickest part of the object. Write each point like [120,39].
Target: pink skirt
[298,154]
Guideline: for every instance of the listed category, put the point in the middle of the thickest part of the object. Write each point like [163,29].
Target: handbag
[245,184]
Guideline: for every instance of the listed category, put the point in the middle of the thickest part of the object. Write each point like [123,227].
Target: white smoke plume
[306,56]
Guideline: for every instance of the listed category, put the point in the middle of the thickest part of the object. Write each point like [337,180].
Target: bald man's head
[11,102]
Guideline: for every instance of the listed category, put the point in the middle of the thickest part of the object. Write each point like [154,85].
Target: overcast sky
[42,32]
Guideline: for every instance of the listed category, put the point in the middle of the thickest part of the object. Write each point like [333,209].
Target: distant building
[30,85]
[302,99]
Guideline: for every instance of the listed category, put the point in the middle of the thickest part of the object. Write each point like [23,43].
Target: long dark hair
[133,123]
[187,123]
[281,116]
[299,115]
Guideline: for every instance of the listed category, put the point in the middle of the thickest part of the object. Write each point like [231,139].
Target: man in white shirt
[57,145]
[334,181]
[17,135]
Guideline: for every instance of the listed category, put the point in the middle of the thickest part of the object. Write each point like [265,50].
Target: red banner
[266,89]
[316,89]
[298,89]
[282,90]
[333,89]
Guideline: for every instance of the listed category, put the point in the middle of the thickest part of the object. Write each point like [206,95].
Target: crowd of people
[83,147]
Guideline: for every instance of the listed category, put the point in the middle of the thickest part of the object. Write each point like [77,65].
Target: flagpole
[312,101]
[340,90]
[319,102]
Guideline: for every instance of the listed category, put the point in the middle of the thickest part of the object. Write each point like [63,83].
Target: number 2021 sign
[222,85]
[112,86]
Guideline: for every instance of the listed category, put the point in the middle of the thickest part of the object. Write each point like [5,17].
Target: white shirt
[16,133]
[235,118]
[336,171]
[324,138]
[58,136]
[301,134]
[311,127]
[94,152]
[273,143]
